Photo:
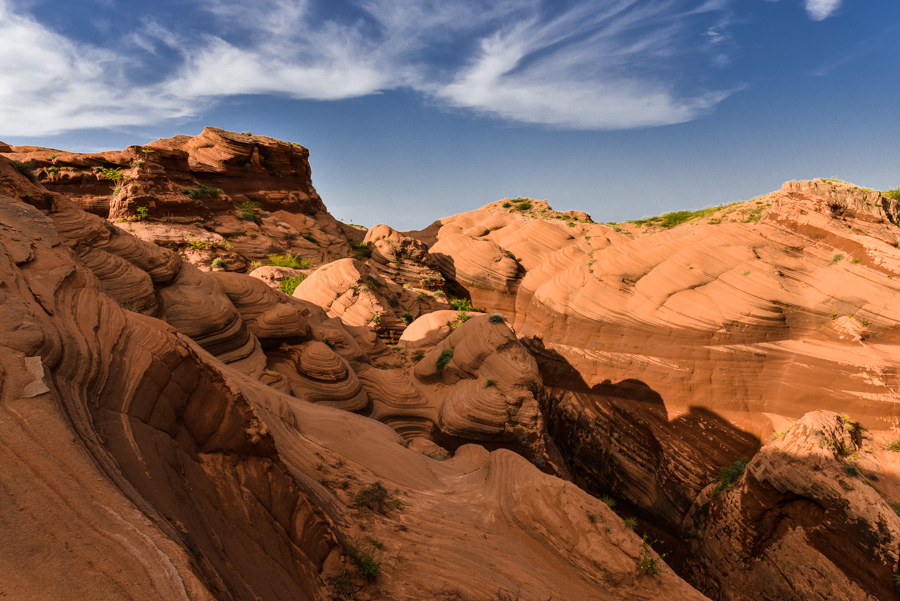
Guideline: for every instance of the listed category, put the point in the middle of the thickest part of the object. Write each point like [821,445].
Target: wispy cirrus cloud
[50,84]
[587,65]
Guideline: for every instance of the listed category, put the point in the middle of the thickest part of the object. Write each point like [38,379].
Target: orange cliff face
[334,428]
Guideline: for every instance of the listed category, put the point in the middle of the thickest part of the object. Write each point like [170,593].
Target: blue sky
[414,110]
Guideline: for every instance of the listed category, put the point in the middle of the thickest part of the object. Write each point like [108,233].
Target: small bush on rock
[444,358]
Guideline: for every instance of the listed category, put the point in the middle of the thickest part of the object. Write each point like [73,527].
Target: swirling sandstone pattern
[171,433]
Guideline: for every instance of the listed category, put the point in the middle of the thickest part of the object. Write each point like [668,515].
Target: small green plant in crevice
[730,474]
[249,206]
[490,382]
[218,263]
[26,168]
[444,358]
[141,213]
[288,285]
[113,174]
[376,319]
[836,258]
[648,564]
[610,502]
[463,304]
[288,261]
[896,508]
[894,446]
[407,317]
[417,356]
[343,582]
[851,470]
[461,318]
[52,171]
[365,555]
[897,583]
[507,204]
[592,517]
[496,318]
[361,251]
[202,191]
[375,498]
[198,244]
[630,522]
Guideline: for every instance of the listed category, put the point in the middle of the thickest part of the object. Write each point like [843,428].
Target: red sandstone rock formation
[175,433]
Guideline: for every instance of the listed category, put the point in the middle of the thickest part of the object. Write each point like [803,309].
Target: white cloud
[49,84]
[592,65]
[584,69]
[821,9]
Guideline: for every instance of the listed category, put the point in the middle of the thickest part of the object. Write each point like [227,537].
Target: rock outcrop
[806,520]
[183,422]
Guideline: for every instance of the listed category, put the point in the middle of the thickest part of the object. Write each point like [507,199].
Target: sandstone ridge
[212,389]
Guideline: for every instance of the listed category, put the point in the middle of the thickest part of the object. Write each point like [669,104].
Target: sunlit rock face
[187,421]
[810,518]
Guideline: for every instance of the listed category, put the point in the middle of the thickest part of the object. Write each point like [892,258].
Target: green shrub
[365,555]
[249,216]
[343,581]
[730,474]
[250,206]
[649,565]
[25,168]
[496,318]
[142,213]
[374,498]
[418,356]
[288,261]
[507,204]
[490,382]
[523,206]
[113,174]
[444,358]
[407,317]
[198,244]
[218,263]
[610,502]
[288,285]
[892,193]
[894,446]
[836,258]
[361,251]
[461,318]
[202,191]
[462,304]
[630,522]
